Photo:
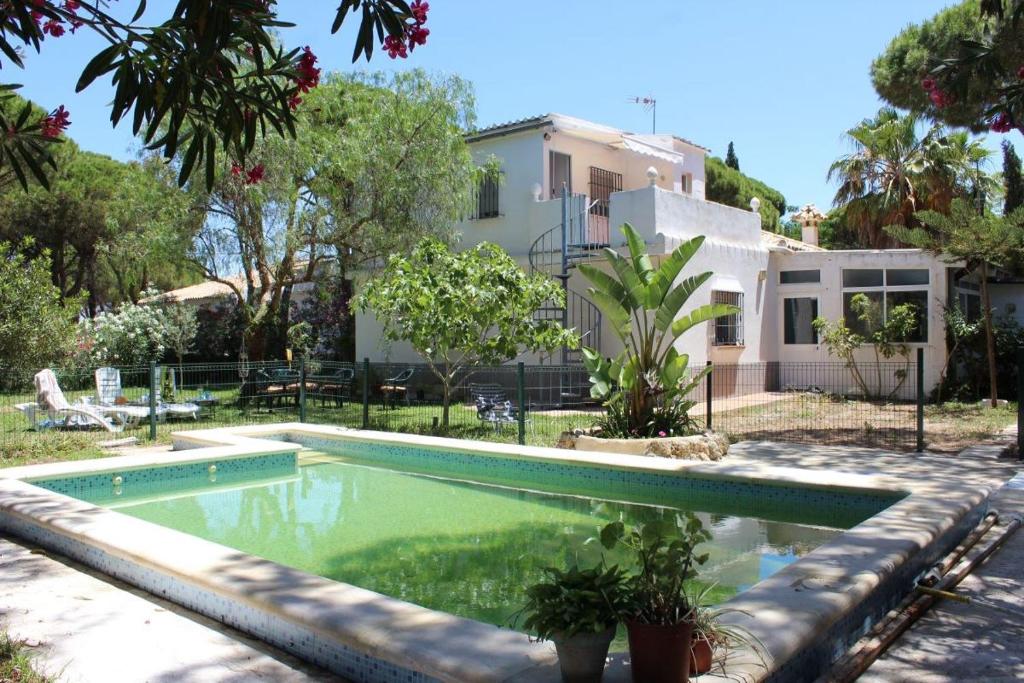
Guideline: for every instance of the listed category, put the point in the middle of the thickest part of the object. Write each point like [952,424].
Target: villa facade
[565,187]
[656,183]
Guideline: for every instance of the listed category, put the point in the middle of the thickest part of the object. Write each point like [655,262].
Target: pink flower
[662,433]
[56,123]
[1001,123]
[928,84]
[309,75]
[236,168]
[395,47]
[255,174]
[1020,73]
[940,98]
[55,27]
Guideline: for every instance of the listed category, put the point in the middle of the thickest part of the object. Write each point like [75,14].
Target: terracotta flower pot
[659,654]
[702,653]
[582,656]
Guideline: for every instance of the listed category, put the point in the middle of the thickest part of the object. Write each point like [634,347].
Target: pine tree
[730,158]
[1012,180]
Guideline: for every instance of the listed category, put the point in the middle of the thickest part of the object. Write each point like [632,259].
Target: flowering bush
[133,335]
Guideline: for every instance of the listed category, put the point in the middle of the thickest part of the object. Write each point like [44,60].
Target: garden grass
[16,662]
[797,416]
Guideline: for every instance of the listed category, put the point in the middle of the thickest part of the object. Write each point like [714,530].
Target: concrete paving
[979,641]
[85,628]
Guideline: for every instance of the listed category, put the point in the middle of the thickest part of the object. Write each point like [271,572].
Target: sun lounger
[61,413]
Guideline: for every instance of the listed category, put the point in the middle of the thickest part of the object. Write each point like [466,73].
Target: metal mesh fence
[87,407]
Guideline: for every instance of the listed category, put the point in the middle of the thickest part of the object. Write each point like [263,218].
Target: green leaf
[676,299]
[700,315]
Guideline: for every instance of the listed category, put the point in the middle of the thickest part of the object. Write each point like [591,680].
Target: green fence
[804,402]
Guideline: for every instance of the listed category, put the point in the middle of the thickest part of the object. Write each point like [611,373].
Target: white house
[656,183]
[565,187]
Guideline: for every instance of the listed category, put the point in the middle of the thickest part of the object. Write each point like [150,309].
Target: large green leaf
[613,309]
[676,299]
[672,265]
[635,289]
[642,265]
[700,315]
[604,282]
[674,369]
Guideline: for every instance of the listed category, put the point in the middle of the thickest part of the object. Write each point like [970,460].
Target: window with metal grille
[602,184]
[487,197]
[729,328]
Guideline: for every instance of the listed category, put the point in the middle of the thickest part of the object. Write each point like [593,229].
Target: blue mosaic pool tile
[117,485]
[808,505]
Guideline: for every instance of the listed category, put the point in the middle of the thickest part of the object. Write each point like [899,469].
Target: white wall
[732,250]
[524,160]
[830,305]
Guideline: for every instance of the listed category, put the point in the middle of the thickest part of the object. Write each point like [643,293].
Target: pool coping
[789,612]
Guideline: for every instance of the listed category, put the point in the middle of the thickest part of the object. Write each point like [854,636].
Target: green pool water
[465,548]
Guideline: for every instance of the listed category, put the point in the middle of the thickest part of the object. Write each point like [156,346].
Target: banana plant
[646,385]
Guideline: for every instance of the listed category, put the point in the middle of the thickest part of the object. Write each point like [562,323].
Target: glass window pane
[799,314]
[919,302]
[795,277]
[862,311]
[899,277]
[862,277]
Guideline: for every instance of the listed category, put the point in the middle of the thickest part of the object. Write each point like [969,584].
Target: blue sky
[782,80]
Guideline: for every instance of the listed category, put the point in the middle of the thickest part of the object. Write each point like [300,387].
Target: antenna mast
[649,104]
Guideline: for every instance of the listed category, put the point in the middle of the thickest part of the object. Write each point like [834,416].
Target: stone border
[804,614]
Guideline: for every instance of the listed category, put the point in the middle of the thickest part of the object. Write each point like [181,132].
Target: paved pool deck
[979,641]
[83,627]
[89,628]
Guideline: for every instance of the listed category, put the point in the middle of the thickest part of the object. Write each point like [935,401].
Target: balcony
[662,216]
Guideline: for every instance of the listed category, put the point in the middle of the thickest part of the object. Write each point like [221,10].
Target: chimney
[810,220]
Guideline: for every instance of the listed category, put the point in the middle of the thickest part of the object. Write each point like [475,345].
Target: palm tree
[894,172]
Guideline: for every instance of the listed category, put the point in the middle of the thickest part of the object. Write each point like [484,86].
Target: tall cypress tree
[730,158]
[1012,181]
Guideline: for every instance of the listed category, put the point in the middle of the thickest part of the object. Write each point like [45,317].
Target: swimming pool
[385,557]
[431,538]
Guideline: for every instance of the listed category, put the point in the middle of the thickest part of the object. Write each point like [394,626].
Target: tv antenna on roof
[650,104]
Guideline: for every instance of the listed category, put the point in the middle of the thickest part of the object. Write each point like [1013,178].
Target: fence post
[920,400]
[152,400]
[1020,403]
[707,407]
[366,393]
[521,400]
[302,389]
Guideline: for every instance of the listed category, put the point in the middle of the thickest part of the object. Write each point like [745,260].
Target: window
[729,328]
[487,197]
[917,299]
[799,277]
[970,304]
[560,173]
[901,277]
[885,290]
[798,315]
[860,277]
[686,183]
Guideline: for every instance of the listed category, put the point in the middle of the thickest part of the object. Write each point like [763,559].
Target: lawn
[799,417]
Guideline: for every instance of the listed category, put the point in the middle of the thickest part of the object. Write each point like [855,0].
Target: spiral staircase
[579,237]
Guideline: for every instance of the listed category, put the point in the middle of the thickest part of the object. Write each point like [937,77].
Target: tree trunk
[445,401]
[990,339]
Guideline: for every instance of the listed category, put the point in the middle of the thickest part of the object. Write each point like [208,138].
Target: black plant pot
[582,656]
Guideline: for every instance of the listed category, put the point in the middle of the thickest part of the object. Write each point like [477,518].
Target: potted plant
[577,609]
[711,636]
[659,613]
